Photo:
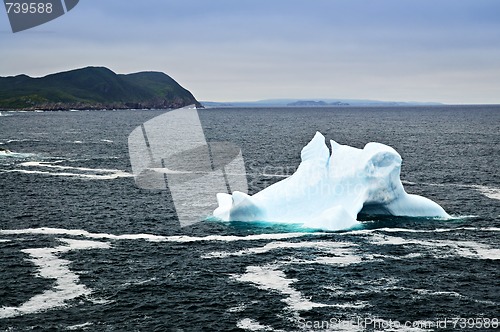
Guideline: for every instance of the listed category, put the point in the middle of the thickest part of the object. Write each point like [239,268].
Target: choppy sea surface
[82,248]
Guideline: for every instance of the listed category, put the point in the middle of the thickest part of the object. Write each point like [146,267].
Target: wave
[51,165]
[427,292]
[228,238]
[79,327]
[437,230]
[410,230]
[95,173]
[269,277]
[151,237]
[493,193]
[76,175]
[22,140]
[95,141]
[442,248]
[50,266]
[88,159]
[15,155]
[466,249]
[272,277]
[490,192]
[249,324]
[318,245]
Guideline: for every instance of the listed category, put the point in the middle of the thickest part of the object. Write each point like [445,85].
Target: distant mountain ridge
[93,88]
[315,103]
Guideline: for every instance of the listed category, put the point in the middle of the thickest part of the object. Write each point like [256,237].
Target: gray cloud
[445,50]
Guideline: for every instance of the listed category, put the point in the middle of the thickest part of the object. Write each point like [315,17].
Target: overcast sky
[240,50]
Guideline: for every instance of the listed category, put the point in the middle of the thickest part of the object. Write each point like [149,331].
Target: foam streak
[153,238]
[50,266]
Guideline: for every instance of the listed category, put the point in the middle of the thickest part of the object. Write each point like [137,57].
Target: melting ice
[328,191]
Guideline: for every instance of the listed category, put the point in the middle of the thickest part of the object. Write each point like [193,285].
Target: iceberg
[328,191]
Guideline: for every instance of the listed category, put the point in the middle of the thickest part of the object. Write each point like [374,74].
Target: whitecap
[239,308]
[74,160]
[409,230]
[334,253]
[340,258]
[49,165]
[83,326]
[151,237]
[138,282]
[490,192]
[95,173]
[75,175]
[252,325]
[99,301]
[493,193]
[427,292]
[14,155]
[21,140]
[467,249]
[269,277]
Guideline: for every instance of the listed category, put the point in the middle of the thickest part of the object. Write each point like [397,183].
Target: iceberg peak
[329,190]
[315,150]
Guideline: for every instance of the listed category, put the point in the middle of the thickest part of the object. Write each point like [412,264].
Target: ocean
[84,249]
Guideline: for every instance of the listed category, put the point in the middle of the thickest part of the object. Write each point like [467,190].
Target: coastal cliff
[93,88]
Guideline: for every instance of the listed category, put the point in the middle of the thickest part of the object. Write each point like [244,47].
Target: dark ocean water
[84,249]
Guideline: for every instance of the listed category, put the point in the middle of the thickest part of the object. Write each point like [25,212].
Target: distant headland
[93,88]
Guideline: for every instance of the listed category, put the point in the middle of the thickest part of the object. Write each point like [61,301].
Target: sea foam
[50,266]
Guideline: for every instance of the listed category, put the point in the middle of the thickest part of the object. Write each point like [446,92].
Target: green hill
[93,88]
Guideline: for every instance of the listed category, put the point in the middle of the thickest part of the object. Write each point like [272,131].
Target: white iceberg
[328,191]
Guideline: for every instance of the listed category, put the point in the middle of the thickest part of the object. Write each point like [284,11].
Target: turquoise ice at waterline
[329,190]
